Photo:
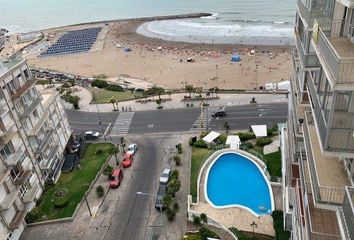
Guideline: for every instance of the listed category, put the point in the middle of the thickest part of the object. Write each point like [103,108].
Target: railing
[19,91]
[30,107]
[17,220]
[308,59]
[348,211]
[47,162]
[306,14]
[342,69]
[322,194]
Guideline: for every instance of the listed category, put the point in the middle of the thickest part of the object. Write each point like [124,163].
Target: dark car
[161,192]
[219,113]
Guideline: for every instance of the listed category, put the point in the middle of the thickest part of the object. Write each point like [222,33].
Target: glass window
[342,101]
[6,151]
[15,172]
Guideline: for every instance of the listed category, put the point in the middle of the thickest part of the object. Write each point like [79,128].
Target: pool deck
[234,216]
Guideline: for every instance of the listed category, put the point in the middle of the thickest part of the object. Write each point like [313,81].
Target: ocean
[233,20]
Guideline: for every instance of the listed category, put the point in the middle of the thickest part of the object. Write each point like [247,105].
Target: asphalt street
[85,121]
[180,120]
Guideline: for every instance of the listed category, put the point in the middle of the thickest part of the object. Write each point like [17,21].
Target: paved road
[85,121]
[180,120]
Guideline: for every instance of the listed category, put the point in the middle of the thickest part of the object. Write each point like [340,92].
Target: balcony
[337,54]
[347,212]
[19,91]
[14,158]
[31,194]
[48,162]
[22,177]
[307,15]
[30,107]
[328,176]
[17,219]
[38,125]
[8,200]
[6,136]
[45,141]
[307,59]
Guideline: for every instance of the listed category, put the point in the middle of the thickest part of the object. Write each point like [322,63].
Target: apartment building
[34,132]
[318,141]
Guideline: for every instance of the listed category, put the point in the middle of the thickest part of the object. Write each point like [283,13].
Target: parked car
[116,178]
[161,192]
[92,135]
[219,113]
[128,160]
[165,176]
[132,148]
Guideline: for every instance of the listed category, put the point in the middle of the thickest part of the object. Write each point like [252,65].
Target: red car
[116,179]
[128,160]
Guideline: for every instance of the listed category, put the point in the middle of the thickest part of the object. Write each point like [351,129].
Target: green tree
[196,221]
[203,218]
[189,89]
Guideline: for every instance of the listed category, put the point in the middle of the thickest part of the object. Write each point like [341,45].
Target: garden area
[249,143]
[60,200]
[105,96]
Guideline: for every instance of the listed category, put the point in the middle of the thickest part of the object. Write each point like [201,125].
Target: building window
[342,101]
[6,151]
[23,191]
[27,74]
[9,236]
[15,172]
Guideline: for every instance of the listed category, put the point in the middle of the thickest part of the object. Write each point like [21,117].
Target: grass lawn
[103,96]
[77,182]
[274,163]
[198,157]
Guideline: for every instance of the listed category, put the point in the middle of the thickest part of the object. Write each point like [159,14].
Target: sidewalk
[175,102]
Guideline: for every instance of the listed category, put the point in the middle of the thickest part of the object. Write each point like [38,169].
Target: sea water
[241,19]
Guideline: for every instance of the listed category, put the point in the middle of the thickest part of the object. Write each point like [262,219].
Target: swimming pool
[234,180]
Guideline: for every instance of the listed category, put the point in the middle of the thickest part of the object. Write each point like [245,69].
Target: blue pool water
[235,180]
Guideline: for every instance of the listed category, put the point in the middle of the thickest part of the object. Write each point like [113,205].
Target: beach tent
[127,49]
[235,58]
[234,141]
[211,137]
[259,130]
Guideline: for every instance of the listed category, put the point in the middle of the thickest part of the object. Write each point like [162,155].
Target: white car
[92,134]
[165,176]
[132,148]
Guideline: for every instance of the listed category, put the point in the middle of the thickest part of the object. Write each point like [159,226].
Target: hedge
[200,144]
[263,141]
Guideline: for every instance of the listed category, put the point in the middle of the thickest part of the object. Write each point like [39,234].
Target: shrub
[170,214]
[221,139]
[167,200]
[99,83]
[177,160]
[206,233]
[253,100]
[245,136]
[32,216]
[203,134]
[204,218]
[180,150]
[174,175]
[99,151]
[190,142]
[173,187]
[200,144]
[247,145]
[160,107]
[99,191]
[108,170]
[196,221]
[280,233]
[115,88]
[175,207]
[158,101]
[263,141]
[61,197]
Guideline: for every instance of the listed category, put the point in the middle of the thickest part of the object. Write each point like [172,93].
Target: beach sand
[159,62]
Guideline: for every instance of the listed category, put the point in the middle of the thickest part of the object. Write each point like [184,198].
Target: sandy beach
[164,63]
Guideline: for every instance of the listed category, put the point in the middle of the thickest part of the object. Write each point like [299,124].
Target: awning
[259,130]
[211,137]
[234,141]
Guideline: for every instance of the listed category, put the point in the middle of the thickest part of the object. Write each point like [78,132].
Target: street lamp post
[217,76]
[100,122]
[155,195]
[253,225]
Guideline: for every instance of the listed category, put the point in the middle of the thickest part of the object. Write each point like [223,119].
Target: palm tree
[211,90]
[189,89]
[159,91]
[169,94]
[113,101]
[145,94]
[216,91]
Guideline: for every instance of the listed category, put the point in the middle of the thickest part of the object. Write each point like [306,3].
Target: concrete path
[175,102]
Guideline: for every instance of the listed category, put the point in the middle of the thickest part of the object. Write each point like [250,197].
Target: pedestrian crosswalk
[122,124]
[203,120]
